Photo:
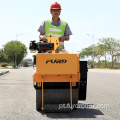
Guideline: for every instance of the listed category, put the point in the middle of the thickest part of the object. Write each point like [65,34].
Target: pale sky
[100,18]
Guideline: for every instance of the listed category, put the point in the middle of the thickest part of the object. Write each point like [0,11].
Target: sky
[98,18]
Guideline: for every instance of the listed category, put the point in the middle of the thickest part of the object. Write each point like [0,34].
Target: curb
[4,72]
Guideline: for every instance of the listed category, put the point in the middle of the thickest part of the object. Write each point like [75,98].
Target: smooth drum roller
[58,80]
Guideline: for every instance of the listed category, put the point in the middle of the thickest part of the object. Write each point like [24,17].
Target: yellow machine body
[57,64]
[58,68]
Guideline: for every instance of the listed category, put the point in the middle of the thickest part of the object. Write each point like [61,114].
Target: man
[55,27]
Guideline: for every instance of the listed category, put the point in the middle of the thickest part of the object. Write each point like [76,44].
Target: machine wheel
[38,99]
[57,97]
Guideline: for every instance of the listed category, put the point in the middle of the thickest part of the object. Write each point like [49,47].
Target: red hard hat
[55,5]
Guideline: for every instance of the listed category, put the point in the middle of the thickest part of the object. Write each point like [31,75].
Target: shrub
[10,64]
[4,64]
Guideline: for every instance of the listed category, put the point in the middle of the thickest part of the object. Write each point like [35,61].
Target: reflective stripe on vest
[55,31]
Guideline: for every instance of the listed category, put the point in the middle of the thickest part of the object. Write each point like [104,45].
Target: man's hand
[43,38]
[62,39]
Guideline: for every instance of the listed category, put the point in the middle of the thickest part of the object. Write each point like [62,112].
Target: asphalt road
[18,100]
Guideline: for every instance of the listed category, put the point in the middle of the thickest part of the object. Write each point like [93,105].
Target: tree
[101,51]
[2,57]
[89,51]
[15,51]
[111,46]
[117,52]
[86,51]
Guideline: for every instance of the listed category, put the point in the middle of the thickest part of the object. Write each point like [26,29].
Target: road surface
[18,97]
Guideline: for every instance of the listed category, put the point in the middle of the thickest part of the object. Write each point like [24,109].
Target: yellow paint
[44,65]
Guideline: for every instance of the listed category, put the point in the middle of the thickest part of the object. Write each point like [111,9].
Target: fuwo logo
[61,61]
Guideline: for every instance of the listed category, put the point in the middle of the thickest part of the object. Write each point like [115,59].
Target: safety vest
[55,31]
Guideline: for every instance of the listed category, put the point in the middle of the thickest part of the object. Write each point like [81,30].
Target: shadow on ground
[78,113]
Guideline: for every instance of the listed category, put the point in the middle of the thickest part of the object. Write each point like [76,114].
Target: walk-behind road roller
[60,79]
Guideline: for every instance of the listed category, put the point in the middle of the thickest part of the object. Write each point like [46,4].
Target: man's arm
[42,31]
[67,33]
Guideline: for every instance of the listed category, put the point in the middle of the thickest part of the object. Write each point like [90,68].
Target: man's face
[55,12]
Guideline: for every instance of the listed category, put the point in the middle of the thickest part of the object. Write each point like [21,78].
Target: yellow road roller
[60,79]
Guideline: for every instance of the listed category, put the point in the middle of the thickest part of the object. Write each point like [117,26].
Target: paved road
[17,97]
